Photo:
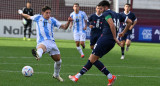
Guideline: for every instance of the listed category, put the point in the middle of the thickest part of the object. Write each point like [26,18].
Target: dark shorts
[125,37]
[103,46]
[93,39]
[29,24]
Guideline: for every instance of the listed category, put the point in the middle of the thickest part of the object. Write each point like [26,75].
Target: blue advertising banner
[141,33]
[146,34]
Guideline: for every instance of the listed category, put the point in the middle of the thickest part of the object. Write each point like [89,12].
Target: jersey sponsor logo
[145,34]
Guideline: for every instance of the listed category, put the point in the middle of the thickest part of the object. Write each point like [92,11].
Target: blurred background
[147,12]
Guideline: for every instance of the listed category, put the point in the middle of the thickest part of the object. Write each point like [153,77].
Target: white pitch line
[157,68]
[87,74]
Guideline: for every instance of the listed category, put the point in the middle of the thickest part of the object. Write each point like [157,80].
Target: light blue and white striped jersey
[45,27]
[78,21]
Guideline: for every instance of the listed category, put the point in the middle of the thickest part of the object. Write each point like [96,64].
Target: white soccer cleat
[127,48]
[122,57]
[34,53]
[59,78]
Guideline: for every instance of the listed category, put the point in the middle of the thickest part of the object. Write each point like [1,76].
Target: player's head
[76,7]
[46,12]
[99,9]
[127,7]
[104,4]
[28,4]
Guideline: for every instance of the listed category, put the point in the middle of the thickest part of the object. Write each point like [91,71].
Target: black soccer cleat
[34,53]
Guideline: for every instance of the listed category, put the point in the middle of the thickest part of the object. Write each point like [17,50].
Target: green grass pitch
[141,66]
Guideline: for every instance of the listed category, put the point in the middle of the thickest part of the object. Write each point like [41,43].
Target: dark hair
[104,3]
[127,4]
[76,4]
[45,8]
[28,2]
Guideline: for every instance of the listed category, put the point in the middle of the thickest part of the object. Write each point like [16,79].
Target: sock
[122,50]
[85,68]
[101,67]
[80,50]
[57,67]
[78,75]
[40,52]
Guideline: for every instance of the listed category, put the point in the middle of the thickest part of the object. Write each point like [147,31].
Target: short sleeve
[134,17]
[85,16]
[122,18]
[35,17]
[56,23]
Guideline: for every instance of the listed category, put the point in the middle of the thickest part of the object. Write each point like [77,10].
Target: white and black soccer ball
[27,71]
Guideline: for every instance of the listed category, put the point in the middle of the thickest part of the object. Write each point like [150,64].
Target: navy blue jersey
[117,18]
[97,23]
[131,16]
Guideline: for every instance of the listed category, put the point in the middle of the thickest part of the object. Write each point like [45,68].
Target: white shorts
[51,47]
[79,36]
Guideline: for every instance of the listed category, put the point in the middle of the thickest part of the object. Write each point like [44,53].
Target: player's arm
[71,24]
[65,26]
[24,15]
[134,23]
[90,21]
[129,23]
[85,27]
[108,18]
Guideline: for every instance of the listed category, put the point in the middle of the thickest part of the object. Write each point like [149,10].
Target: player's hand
[20,11]
[121,34]
[118,42]
[70,19]
[91,26]
[85,28]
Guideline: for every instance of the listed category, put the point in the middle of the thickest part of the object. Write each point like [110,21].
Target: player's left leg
[82,39]
[128,42]
[57,67]
[55,55]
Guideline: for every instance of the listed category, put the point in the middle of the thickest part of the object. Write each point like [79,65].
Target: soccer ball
[27,71]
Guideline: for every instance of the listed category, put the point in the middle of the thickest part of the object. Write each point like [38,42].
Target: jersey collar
[127,13]
[98,15]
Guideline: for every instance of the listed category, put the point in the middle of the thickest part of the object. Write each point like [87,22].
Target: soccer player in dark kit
[95,23]
[26,22]
[105,43]
[127,37]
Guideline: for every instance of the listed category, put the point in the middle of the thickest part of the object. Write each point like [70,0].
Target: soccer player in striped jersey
[95,21]
[79,25]
[127,37]
[105,43]
[45,40]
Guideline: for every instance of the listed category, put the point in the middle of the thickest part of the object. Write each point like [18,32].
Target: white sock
[78,75]
[109,76]
[57,67]
[40,52]
[80,50]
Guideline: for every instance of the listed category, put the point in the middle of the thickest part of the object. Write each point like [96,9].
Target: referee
[26,22]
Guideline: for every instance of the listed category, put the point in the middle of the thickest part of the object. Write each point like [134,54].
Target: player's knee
[58,62]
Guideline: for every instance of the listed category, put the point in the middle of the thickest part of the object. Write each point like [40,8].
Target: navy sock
[122,50]
[86,67]
[101,67]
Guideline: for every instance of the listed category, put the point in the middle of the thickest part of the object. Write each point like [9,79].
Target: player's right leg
[41,48]
[30,31]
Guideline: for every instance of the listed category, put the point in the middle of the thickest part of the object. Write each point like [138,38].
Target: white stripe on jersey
[78,21]
[45,27]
